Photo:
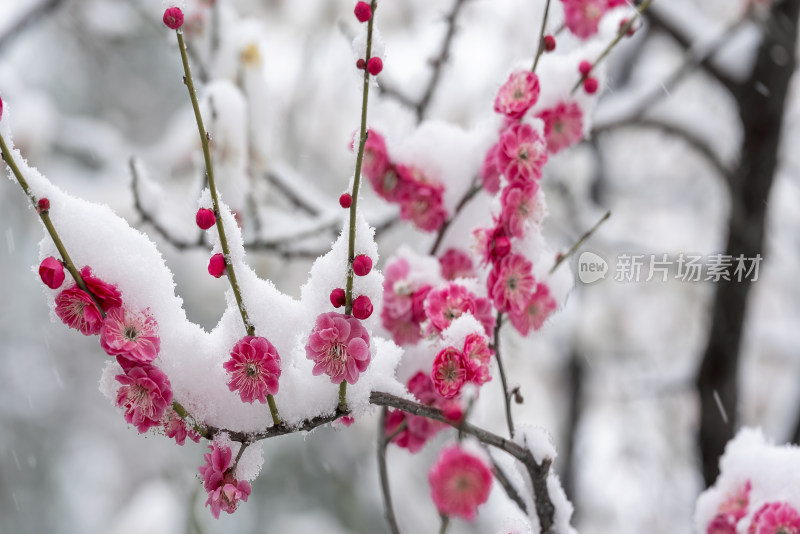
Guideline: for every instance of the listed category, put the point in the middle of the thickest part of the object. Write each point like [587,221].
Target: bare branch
[383,442]
[509,488]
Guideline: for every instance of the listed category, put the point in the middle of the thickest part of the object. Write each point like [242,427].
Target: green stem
[541,37]
[351,247]
[445,524]
[186,416]
[44,215]
[622,32]
[223,239]
[343,396]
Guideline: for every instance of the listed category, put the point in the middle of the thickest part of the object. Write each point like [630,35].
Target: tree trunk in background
[761,101]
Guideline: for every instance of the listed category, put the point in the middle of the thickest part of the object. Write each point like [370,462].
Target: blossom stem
[540,50]
[506,393]
[223,239]
[351,246]
[239,457]
[623,30]
[44,215]
[445,524]
[184,414]
[343,396]
[585,237]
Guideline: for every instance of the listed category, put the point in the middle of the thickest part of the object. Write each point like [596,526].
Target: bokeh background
[88,84]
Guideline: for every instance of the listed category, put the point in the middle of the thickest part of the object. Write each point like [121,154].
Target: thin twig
[509,488]
[578,244]
[383,472]
[506,392]
[445,524]
[223,239]
[540,49]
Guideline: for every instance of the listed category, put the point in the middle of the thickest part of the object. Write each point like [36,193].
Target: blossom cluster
[772,517]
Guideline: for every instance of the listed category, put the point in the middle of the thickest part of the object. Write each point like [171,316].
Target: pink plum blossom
[540,305]
[131,335]
[737,502]
[477,358]
[403,310]
[106,295]
[775,518]
[456,263]
[518,94]
[722,524]
[254,369]
[449,372]
[339,347]
[518,204]
[582,17]
[175,427]
[77,310]
[421,200]
[224,490]
[144,394]
[460,482]
[490,170]
[522,153]
[492,244]
[511,282]
[451,301]
[376,162]
[563,125]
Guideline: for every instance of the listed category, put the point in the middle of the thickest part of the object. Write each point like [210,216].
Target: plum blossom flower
[722,524]
[339,347]
[737,502]
[511,282]
[77,310]
[175,427]
[518,94]
[418,430]
[582,17]
[376,159]
[775,518]
[451,301]
[107,295]
[421,200]
[449,372]
[477,357]
[460,482]
[403,303]
[254,369]
[490,170]
[563,125]
[145,394]
[224,490]
[518,204]
[522,153]
[535,312]
[456,263]
[492,244]
[133,336]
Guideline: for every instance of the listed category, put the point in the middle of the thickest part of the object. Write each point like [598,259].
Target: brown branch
[700,145]
[474,189]
[545,510]
[509,488]
[684,40]
[383,472]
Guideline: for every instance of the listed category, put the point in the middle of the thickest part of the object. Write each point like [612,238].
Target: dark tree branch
[473,190]
[509,488]
[383,472]
[33,16]
[658,22]
[697,143]
[762,105]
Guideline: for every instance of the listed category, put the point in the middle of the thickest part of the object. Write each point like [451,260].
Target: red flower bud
[51,272]
[345,200]
[363,12]
[590,85]
[362,307]
[173,18]
[585,67]
[375,65]
[44,204]
[205,218]
[549,43]
[338,297]
[361,64]
[216,265]
[362,265]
